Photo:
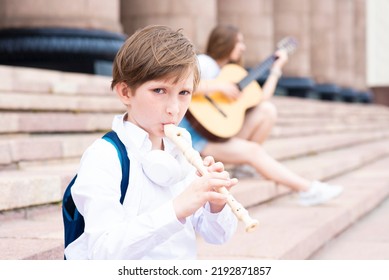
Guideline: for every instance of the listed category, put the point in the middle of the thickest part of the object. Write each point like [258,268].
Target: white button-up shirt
[145,226]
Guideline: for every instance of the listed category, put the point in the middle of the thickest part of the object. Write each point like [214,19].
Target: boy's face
[159,102]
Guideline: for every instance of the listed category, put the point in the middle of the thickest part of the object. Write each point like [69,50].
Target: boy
[154,74]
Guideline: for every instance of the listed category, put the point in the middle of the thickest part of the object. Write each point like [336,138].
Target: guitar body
[211,123]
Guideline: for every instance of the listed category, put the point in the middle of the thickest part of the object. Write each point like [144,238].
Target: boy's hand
[203,189]
[217,205]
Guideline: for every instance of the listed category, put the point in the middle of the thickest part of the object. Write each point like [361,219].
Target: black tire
[58,48]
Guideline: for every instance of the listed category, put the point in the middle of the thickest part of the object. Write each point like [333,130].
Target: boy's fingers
[212,196]
[208,161]
[215,184]
[224,175]
[233,181]
[217,166]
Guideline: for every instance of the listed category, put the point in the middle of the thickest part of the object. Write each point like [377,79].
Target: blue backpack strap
[113,138]
[74,223]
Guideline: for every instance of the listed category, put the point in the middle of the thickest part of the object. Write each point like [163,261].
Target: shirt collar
[139,138]
[130,134]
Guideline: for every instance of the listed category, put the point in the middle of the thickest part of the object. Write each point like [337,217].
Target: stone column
[196,18]
[345,49]
[323,48]
[255,19]
[292,18]
[96,14]
[360,45]
[323,40]
[360,81]
[74,35]
[344,33]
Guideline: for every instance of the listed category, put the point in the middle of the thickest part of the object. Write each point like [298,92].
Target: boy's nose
[173,107]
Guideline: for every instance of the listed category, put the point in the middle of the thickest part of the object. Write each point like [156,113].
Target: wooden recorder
[174,133]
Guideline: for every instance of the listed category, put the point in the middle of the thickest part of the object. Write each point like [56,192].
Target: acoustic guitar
[219,118]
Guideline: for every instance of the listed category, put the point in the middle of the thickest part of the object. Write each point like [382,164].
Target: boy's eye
[159,90]
[185,92]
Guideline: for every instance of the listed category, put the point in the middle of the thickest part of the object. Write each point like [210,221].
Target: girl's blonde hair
[152,53]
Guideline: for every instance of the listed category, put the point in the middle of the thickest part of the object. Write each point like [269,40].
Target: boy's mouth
[165,123]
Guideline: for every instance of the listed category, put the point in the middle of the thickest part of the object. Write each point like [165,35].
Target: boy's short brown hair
[154,52]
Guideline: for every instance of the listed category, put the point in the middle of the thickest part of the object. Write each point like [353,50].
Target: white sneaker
[244,171]
[319,193]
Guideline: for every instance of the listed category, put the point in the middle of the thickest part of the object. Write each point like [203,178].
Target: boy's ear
[124,93]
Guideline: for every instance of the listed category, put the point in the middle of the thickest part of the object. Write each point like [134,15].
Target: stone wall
[377,49]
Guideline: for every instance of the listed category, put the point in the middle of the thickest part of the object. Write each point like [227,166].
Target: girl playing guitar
[226,45]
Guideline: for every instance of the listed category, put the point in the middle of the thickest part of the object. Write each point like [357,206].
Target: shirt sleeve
[215,228]
[208,67]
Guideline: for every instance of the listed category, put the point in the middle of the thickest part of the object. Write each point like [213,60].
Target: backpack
[73,221]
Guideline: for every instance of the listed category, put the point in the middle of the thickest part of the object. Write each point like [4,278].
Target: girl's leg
[240,151]
[259,122]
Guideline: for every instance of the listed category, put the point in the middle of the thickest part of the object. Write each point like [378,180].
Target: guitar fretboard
[256,72]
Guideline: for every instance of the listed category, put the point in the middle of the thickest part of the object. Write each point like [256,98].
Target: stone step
[16,101]
[19,148]
[286,230]
[16,149]
[292,147]
[34,233]
[54,122]
[47,118]
[24,79]
[334,163]
[35,185]
[43,184]
[367,239]
[289,231]
[323,166]
[296,130]
[301,107]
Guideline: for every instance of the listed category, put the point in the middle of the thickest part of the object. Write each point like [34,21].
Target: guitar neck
[256,72]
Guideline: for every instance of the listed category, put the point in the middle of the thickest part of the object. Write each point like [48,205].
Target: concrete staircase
[48,118]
